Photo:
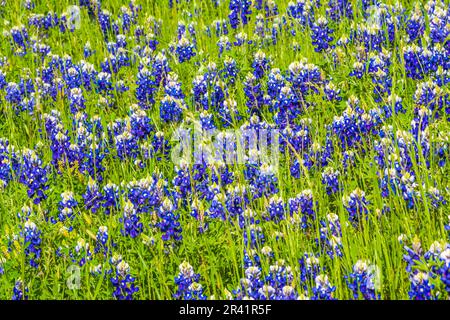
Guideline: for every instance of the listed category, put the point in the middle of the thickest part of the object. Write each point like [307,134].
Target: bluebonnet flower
[41,50]
[146,194]
[182,181]
[321,35]
[358,70]
[87,50]
[305,204]
[64,20]
[271,8]
[218,95]
[217,209]
[63,152]
[260,64]
[228,113]
[275,209]
[146,88]
[13,93]
[103,82]
[338,9]
[193,34]
[104,19]
[432,256]
[110,200]
[224,44]
[158,148]
[185,50]
[230,70]
[373,36]
[330,236]
[221,27]
[127,18]
[356,205]
[275,83]
[66,206]
[438,20]
[415,61]
[415,25]
[253,234]
[309,269]
[101,245]
[140,123]
[121,87]
[323,290]
[36,20]
[288,106]
[88,75]
[436,197]
[127,145]
[173,88]
[160,68]
[112,48]
[122,58]
[302,11]
[32,243]
[123,282]
[132,226]
[332,92]
[254,94]
[361,281]
[29,4]
[92,197]
[278,283]
[250,285]
[3,82]
[96,270]
[346,127]
[20,291]
[72,76]
[239,12]
[421,288]
[265,182]
[444,270]
[77,101]
[168,222]
[394,105]
[171,109]
[429,95]
[20,37]
[207,121]
[211,74]
[236,200]
[413,254]
[198,212]
[200,93]
[33,175]
[304,78]
[9,162]
[181,29]
[150,40]
[241,39]
[188,287]
[2,265]
[252,258]
[330,180]
[81,253]
[94,153]
[249,219]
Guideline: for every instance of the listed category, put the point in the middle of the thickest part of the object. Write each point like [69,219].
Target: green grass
[218,253]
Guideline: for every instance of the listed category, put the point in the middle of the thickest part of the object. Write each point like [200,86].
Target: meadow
[224,149]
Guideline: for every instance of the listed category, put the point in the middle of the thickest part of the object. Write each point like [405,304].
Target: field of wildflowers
[224,149]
